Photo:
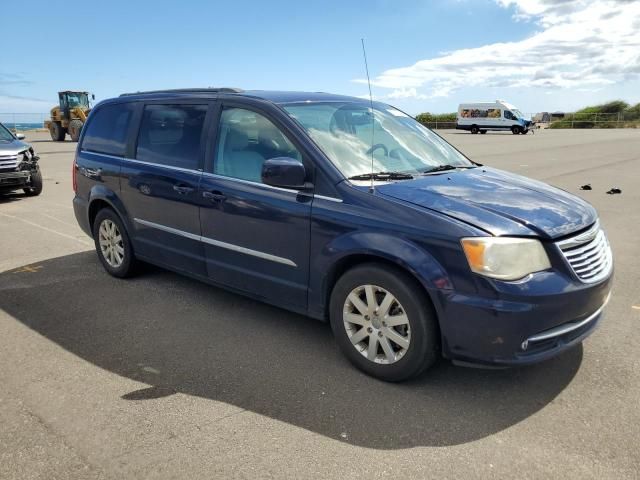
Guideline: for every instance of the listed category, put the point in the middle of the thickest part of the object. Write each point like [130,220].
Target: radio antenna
[366,67]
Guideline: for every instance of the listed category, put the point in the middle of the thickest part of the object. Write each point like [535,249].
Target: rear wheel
[474,129]
[384,323]
[483,132]
[75,127]
[57,131]
[35,185]
[113,245]
[515,130]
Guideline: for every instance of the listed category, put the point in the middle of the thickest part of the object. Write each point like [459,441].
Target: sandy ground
[164,377]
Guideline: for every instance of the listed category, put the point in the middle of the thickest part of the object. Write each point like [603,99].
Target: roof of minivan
[275,96]
[295,97]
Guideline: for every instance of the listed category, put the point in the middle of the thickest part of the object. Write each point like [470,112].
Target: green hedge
[616,114]
[437,120]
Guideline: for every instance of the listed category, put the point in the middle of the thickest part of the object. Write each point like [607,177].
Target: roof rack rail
[189,90]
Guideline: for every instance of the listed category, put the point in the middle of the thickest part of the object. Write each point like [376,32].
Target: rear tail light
[74,180]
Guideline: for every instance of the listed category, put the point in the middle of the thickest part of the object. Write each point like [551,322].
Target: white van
[498,115]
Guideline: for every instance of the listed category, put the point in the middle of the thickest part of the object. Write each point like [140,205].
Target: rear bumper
[81,211]
[523,329]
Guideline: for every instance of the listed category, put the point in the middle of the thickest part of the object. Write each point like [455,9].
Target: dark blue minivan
[346,211]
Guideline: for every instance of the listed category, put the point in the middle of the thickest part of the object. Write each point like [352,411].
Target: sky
[423,55]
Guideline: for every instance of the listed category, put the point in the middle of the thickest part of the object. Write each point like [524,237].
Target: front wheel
[75,127]
[57,131]
[515,130]
[35,184]
[384,322]
[113,245]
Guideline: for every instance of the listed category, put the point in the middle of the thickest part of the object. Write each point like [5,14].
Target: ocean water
[23,126]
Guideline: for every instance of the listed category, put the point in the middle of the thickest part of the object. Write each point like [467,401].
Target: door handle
[182,189]
[91,172]
[214,196]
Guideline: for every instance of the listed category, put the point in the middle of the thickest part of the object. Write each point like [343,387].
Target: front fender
[394,249]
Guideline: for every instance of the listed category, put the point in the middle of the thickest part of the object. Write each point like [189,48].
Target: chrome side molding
[217,243]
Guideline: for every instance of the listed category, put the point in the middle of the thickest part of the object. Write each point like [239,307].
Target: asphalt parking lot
[164,377]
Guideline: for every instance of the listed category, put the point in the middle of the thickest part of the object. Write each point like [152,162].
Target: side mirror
[284,172]
[20,136]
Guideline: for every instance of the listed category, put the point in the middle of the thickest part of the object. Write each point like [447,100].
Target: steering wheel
[376,147]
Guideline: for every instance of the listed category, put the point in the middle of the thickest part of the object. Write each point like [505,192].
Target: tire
[483,132]
[515,130]
[419,341]
[75,127]
[524,131]
[35,187]
[475,129]
[57,131]
[120,262]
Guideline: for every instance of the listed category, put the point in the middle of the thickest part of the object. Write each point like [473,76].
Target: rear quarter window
[170,135]
[107,130]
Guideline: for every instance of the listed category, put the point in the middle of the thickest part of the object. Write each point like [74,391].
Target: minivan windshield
[350,134]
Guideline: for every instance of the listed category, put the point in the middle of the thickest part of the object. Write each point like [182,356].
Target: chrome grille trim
[565,328]
[9,161]
[588,254]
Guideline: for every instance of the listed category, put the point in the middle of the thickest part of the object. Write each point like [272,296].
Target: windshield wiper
[382,176]
[444,168]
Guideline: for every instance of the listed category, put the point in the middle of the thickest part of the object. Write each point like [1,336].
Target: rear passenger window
[170,135]
[107,130]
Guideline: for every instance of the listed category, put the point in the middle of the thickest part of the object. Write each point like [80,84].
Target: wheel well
[352,261]
[94,208]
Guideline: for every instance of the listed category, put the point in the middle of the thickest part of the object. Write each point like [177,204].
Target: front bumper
[535,321]
[14,180]
[562,334]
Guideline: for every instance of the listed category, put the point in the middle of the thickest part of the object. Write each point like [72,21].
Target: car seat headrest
[237,140]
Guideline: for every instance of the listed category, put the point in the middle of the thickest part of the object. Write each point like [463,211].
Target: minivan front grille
[588,254]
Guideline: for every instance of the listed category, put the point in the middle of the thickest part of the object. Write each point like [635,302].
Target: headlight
[505,258]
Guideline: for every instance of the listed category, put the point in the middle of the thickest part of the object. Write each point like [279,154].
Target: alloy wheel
[376,323]
[111,244]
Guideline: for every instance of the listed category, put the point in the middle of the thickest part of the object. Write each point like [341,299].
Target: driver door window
[508,115]
[246,139]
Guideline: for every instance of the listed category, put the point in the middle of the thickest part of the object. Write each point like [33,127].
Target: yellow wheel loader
[70,116]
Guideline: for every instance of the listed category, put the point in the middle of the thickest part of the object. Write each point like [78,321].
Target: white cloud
[406,93]
[583,44]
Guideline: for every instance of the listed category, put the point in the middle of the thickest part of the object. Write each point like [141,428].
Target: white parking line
[57,219]
[59,204]
[84,242]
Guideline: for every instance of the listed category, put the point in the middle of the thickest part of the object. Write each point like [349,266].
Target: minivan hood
[12,147]
[498,202]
